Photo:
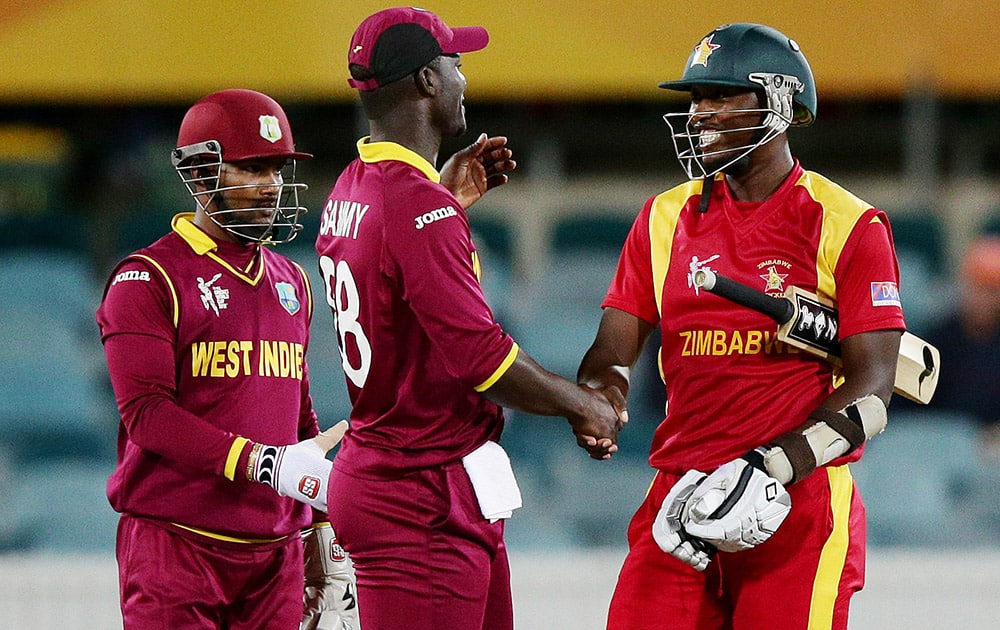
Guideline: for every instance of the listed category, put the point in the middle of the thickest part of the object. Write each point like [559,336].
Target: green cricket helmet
[751,56]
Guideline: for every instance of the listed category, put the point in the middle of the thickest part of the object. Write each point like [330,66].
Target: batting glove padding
[329,601]
[668,528]
[300,471]
[739,506]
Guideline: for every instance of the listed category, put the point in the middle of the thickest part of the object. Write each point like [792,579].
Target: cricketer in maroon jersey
[205,333]
[734,393]
[420,483]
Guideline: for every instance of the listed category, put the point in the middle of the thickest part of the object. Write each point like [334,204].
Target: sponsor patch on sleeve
[885,294]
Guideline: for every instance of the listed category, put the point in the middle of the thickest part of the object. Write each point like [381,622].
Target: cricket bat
[811,323]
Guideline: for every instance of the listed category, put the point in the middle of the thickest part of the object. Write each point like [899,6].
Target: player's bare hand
[597,430]
[477,168]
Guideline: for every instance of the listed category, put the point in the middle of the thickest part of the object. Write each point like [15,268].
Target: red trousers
[803,577]
[424,556]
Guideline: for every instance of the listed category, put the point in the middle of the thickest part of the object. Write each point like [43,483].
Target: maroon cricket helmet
[247,125]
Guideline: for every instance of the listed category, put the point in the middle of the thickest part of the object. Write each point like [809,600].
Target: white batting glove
[739,506]
[329,601]
[668,527]
[300,471]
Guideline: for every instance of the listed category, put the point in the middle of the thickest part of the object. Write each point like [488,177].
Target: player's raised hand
[300,471]
[482,165]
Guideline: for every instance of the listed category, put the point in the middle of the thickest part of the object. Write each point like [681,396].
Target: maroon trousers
[424,555]
[171,581]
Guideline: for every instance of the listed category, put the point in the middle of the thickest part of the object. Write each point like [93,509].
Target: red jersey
[730,385]
[206,341]
[418,341]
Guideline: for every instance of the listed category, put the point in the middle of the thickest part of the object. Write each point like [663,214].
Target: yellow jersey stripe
[841,211]
[500,371]
[305,281]
[170,285]
[826,585]
[235,450]
[663,217]
[223,537]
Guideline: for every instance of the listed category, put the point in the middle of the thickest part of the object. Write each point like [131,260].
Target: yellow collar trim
[200,242]
[372,152]
[203,245]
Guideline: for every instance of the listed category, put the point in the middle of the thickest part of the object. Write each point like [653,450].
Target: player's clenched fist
[738,506]
[300,471]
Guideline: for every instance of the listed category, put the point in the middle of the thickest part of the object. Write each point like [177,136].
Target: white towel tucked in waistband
[493,480]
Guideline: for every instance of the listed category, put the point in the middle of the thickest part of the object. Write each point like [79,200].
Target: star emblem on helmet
[703,51]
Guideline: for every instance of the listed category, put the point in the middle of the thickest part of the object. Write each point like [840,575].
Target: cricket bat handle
[918,363]
[780,310]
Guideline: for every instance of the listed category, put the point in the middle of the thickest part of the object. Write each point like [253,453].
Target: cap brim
[295,155]
[466,39]
[686,85]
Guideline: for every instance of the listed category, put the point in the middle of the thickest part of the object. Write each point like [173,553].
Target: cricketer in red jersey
[420,483]
[205,333]
[705,547]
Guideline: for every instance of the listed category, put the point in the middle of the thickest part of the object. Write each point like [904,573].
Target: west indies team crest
[287,297]
[270,128]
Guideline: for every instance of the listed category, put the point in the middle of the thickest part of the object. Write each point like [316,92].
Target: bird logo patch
[287,297]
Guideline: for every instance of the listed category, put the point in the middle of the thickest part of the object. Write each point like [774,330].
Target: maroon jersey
[205,342]
[418,341]
[731,385]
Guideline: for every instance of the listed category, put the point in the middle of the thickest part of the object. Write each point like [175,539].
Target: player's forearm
[142,380]
[159,425]
[597,373]
[526,386]
[869,367]
[620,339]
[852,414]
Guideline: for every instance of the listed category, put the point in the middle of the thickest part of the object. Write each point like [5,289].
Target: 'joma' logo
[434,215]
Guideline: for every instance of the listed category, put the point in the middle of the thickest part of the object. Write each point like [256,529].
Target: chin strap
[706,193]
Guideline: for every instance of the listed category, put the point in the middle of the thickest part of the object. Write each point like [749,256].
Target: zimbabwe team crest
[287,297]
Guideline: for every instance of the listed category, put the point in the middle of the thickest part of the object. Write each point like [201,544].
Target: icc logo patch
[287,297]
[270,129]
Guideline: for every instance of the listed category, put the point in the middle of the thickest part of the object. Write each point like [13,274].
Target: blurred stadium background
[92,91]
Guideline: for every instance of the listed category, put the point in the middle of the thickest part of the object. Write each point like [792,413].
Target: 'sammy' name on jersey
[342,218]
[728,342]
[232,359]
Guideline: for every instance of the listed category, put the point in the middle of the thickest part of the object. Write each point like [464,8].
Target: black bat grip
[780,310]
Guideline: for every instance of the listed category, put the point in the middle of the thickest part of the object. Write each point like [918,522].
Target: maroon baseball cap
[248,125]
[393,43]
